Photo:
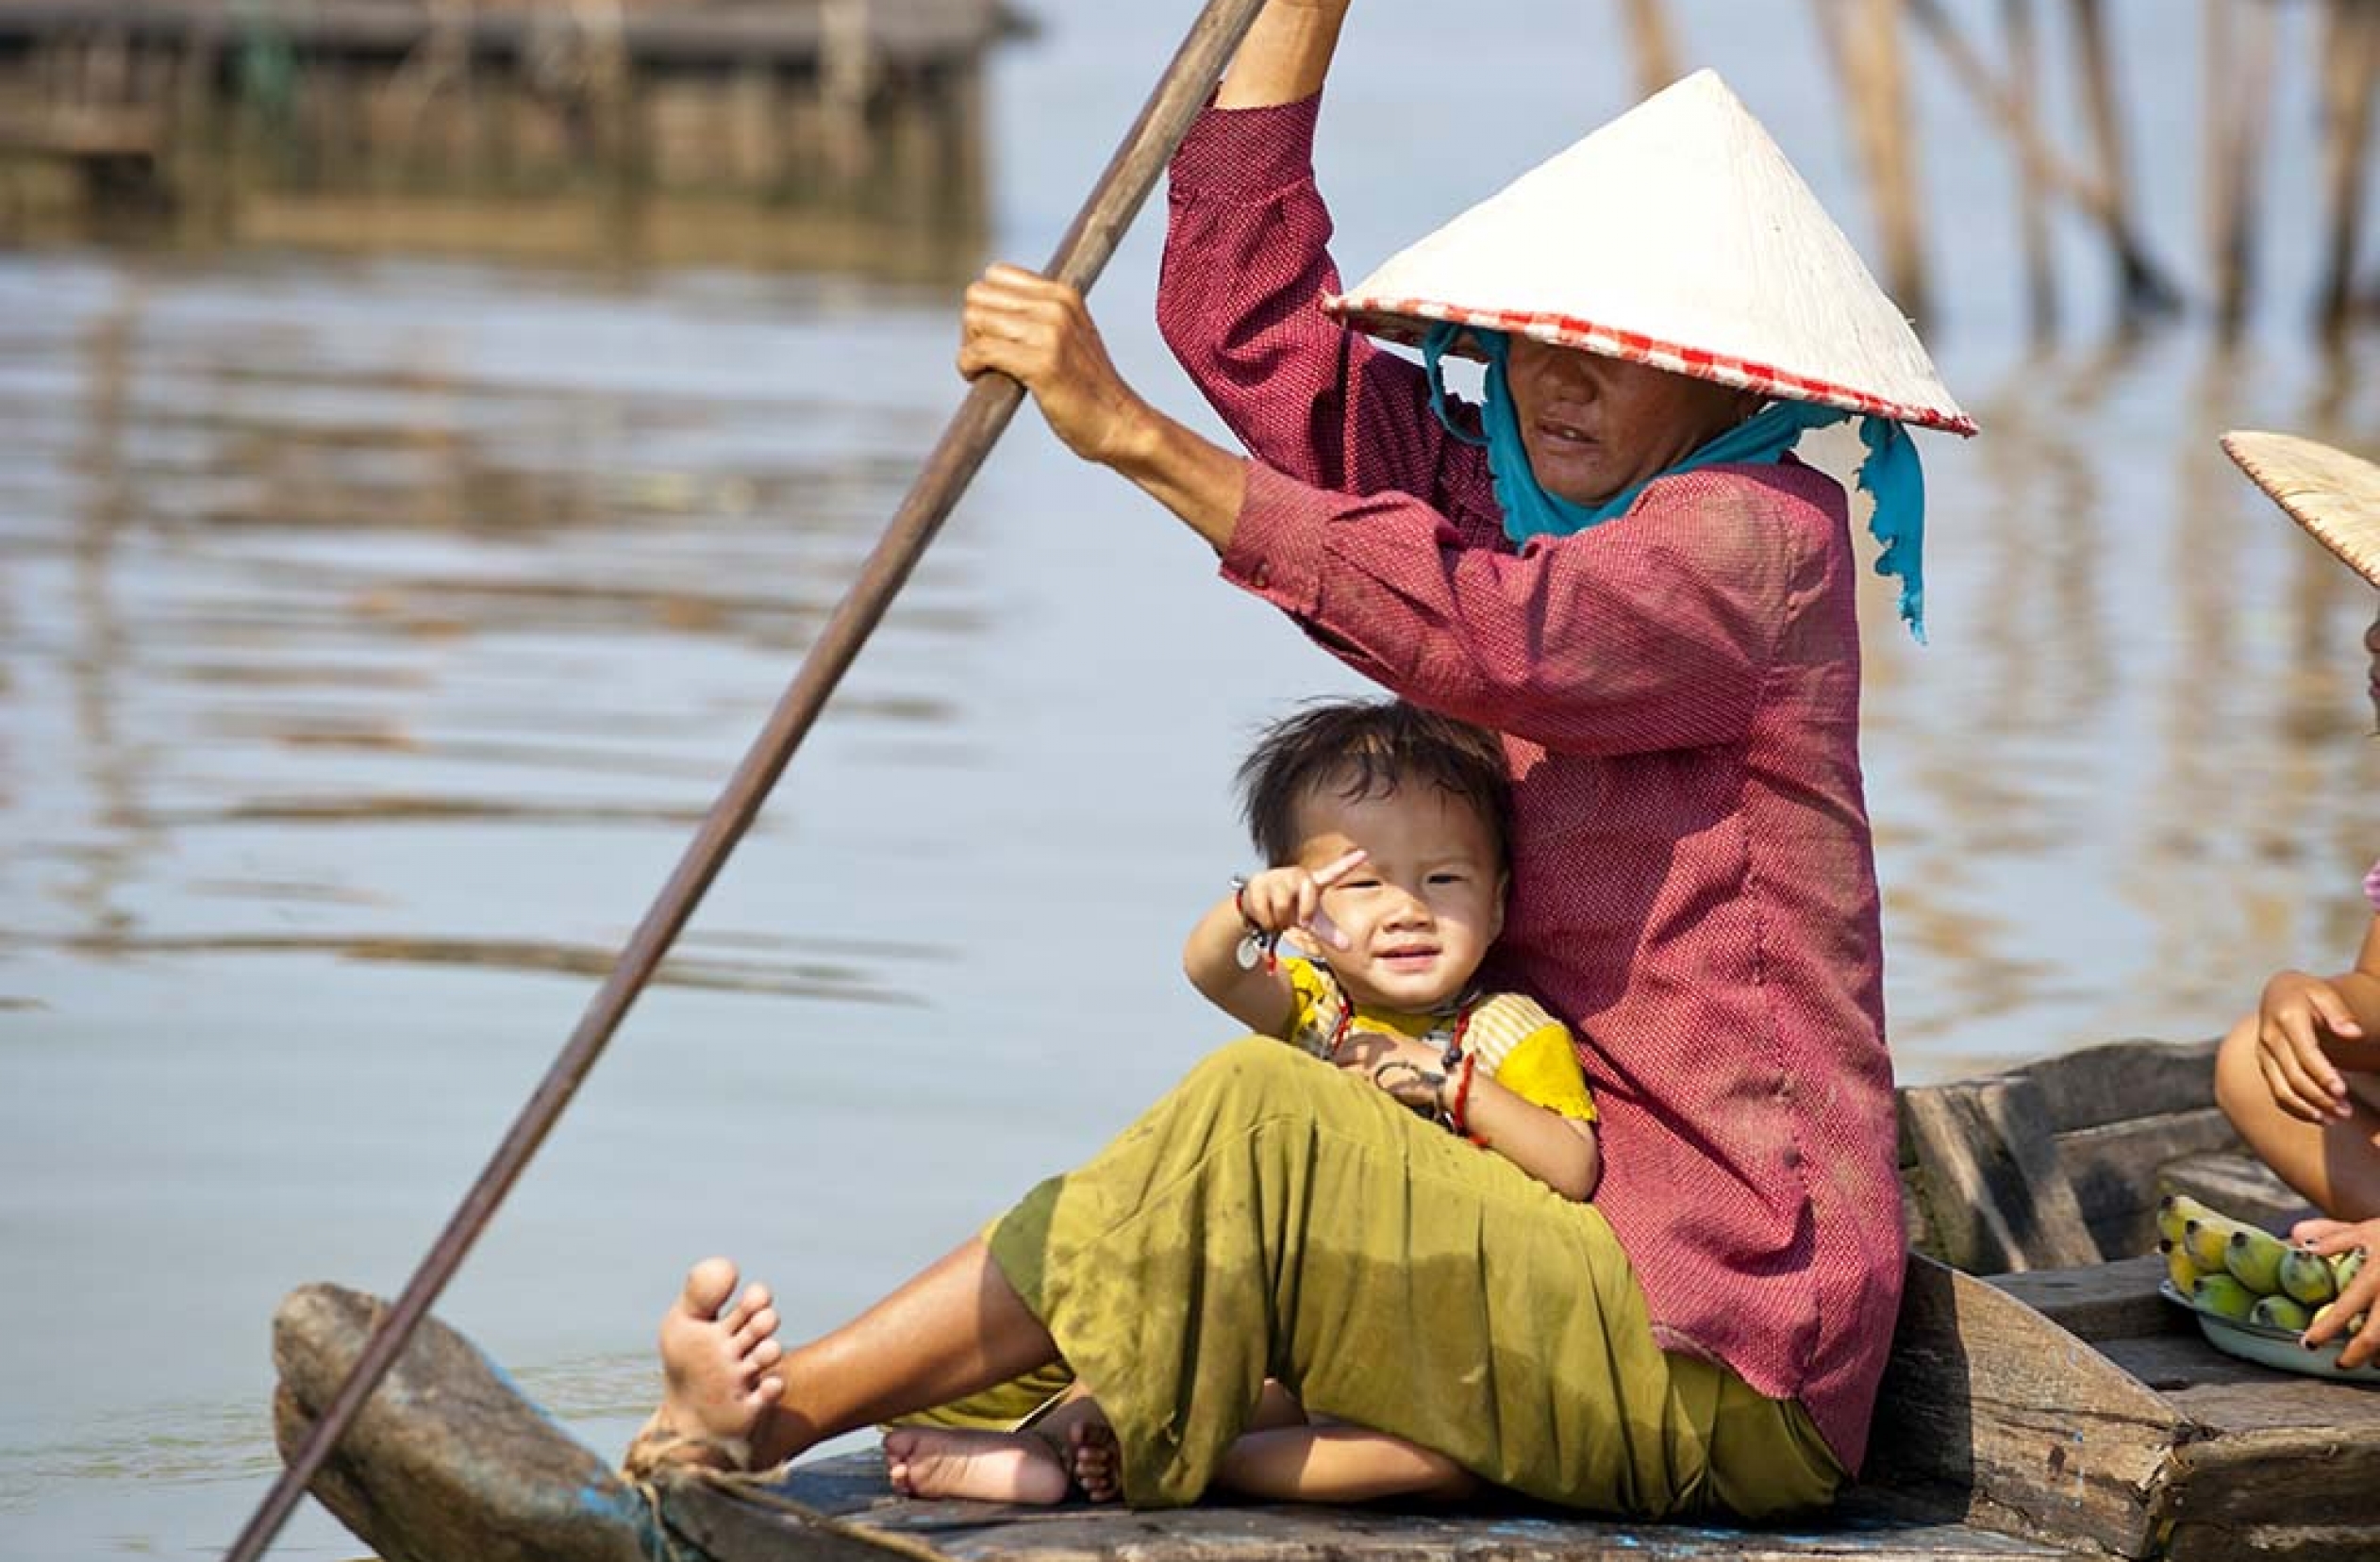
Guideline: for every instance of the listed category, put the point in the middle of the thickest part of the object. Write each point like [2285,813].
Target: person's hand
[1410,1070]
[2362,1295]
[1039,334]
[1279,899]
[2297,1011]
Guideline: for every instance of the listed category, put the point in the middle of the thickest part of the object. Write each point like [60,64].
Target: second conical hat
[1676,236]
[2329,493]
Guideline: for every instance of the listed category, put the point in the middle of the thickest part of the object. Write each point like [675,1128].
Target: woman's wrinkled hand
[2297,1012]
[1039,334]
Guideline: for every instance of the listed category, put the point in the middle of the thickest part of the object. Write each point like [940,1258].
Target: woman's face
[1594,426]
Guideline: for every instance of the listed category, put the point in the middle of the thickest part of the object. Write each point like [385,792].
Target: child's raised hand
[1279,899]
[2297,1011]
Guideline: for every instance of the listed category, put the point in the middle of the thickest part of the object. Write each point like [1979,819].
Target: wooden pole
[2041,262]
[2239,51]
[1653,43]
[846,73]
[2351,61]
[2139,294]
[981,418]
[1866,49]
[2091,193]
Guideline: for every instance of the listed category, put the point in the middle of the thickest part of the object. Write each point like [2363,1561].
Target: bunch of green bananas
[2243,1273]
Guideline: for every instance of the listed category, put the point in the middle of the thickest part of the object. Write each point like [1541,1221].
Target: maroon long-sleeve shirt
[1693,884]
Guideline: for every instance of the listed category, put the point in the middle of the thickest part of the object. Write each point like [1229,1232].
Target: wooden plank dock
[662,130]
[718,34]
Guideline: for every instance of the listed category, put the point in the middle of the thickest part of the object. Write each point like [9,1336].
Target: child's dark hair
[1367,748]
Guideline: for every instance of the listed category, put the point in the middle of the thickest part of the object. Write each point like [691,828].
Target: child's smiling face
[1421,910]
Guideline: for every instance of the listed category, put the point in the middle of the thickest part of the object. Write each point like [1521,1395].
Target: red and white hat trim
[1397,320]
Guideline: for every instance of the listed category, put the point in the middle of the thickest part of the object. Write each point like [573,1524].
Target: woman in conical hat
[2299,1078]
[1617,565]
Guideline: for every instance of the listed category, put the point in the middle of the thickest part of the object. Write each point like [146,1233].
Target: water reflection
[376,631]
[2124,786]
[311,588]
[321,573]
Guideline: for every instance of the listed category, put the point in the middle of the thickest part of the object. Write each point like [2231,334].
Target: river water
[376,628]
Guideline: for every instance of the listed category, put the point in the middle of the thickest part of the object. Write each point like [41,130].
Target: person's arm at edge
[1286,54]
[2311,1030]
[2360,989]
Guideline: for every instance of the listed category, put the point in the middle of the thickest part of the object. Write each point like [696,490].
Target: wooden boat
[2057,1408]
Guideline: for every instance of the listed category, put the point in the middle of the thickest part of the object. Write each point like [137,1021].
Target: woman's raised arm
[1286,54]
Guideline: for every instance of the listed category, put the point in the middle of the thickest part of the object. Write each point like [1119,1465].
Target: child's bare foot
[1090,1453]
[987,1466]
[715,1368]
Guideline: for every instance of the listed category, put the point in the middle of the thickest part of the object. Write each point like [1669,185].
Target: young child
[1385,828]
[2299,1078]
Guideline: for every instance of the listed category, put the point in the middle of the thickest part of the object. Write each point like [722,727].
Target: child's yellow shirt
[1517,1043]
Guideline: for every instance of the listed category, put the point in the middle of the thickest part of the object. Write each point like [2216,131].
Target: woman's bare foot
[986,1467]
[716,1373]
[1091,1453]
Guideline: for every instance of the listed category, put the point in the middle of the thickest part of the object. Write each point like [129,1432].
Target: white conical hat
[1676,236]
[2329,493]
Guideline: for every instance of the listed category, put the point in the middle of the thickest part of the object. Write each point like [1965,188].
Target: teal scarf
[1891,472]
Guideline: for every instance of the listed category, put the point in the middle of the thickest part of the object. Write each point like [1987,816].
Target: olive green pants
[1271,1216]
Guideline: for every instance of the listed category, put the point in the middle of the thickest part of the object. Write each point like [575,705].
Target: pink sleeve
[1651,632]
[1239,297]
[2372,887]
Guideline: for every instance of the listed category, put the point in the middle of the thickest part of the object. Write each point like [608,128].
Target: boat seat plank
[2254,1399]
[2030,1428]
[1988,1179]
[2119,1081]
[2060,1163]
[2279,1464]
[2307,1493]
[2237,1184]
[2113,1166]
[742,1527]
[2100,1302]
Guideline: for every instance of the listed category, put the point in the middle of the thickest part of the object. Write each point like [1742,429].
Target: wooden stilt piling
[1653,43]
[2350,66]
[560,128]
[2090,192]
[2040,267]
[1863,38]
[843,74]
[2139,293]
[2239,52]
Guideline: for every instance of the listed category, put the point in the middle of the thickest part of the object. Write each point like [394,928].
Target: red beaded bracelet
[1458,1117]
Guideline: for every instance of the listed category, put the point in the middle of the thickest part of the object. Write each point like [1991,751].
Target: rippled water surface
[374,631]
